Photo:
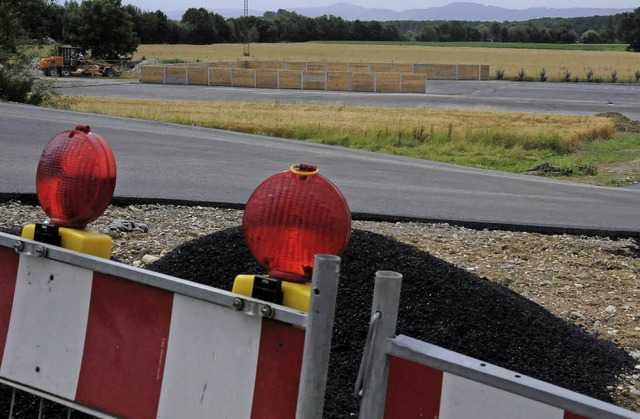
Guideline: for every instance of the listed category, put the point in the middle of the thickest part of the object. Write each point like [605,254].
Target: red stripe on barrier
[125,347]
[9,260]
[275,395]
[569,415]
[413,390]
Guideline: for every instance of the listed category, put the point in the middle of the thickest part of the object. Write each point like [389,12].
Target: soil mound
[440,304]
[621,123]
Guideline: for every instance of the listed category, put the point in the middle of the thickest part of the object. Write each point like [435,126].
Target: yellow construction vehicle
[71,62]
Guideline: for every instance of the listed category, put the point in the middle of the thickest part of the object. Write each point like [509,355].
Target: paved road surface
[161,160]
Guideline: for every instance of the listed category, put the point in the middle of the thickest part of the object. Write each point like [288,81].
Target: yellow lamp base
[294,295]
[84,241]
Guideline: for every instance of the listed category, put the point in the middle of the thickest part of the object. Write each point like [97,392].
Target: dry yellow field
[556,62]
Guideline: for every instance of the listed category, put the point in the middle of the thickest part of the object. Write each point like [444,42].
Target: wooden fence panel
[485,73]
[388,82]
[413,83]
[446,72]
[314,80]
[380,67]
[290,79]
[253,65]
[197,75]
[337,66]
[429,70]
[275,65]
[359,67]
[468,72]
[176,75]
[402,68]
[243,77]
[267,79]
[296,65]
[152,74]
[362,82]
[338,80]
[316,66]
[227,64]
[221,76]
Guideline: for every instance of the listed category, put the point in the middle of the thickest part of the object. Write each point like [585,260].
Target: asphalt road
[566,98]
[159,160]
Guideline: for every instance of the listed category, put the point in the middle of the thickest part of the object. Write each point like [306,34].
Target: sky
[397,5]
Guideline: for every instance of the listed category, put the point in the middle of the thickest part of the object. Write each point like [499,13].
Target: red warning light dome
[76,177]
[293,216]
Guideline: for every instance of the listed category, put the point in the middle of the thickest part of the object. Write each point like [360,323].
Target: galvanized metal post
[386,298]
[317,340]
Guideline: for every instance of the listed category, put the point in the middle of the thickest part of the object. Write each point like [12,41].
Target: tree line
[73,22]
[112,30]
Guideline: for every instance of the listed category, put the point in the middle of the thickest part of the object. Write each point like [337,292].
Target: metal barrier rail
[34,406]
[72,325]
[405,377]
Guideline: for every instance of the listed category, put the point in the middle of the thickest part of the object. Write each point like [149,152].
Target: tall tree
[39,19]
[629,29]
[17,82]
[102,26]
[428,34]
[12,32]
[496,32]
[200,26]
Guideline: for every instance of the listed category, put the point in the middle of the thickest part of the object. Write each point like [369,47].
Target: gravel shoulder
[593,282]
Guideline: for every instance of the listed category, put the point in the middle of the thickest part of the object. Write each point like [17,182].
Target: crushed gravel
[572,301]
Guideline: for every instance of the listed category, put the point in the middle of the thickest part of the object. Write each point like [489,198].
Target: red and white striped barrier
[129,349]
[404,378]
[416,391]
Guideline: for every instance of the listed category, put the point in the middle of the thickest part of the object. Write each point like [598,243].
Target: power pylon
[246,36]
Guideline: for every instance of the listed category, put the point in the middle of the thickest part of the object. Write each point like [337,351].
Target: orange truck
[70,62]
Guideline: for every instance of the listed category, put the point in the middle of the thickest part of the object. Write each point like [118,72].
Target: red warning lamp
[76,177]
[293,216]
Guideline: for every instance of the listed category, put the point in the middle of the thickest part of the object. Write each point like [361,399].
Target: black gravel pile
[440,304]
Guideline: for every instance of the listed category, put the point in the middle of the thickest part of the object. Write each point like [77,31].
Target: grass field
[557,63]
[512,142]
[512,45]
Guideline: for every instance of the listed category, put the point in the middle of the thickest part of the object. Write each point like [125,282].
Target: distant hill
[453,11]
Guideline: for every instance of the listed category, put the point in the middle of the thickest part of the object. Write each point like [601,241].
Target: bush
[590,78]
[521,74]
[17,84]
[637,75]
[591,37]
[500,74]
[614,76]
[566,76]
[543,75]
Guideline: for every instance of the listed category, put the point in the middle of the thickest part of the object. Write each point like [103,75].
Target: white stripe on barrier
[196,355]
[48,324]
[463,398]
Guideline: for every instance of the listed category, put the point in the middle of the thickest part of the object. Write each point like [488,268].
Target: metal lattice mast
[246,35]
